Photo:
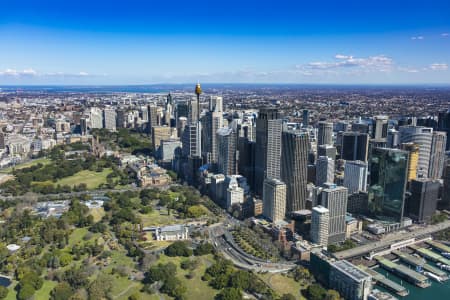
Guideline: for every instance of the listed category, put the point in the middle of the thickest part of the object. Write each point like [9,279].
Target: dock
[409,275]
[418,262]
[438,246]
[386,283]
[434,257]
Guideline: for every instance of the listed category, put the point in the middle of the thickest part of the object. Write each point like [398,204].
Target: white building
[324,170]
[274,199]
[355,176]
[320,222]
[172,233]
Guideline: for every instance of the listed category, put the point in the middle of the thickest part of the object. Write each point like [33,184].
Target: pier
[438,246]
[434,257]
[404,272]
[388,284]
[418,262]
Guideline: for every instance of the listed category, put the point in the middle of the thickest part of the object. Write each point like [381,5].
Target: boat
[433,276]
[446,254]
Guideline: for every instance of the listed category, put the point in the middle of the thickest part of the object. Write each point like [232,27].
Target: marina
[386,283]
[420,263]
[404,272]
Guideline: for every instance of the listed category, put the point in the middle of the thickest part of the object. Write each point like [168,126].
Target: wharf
[418,262]
[404,272]
[388,284]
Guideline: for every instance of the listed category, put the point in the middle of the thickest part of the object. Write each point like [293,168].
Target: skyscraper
[334,198]
[191,140]
[274,199]
[320,223]
[294,168]
[445,201]
[437,156]
[355,176]
[444,125]
[268,147]
[226,140]
[355,146]
[421,136]
[413,161]
[388,178]
[305,118]
[422,203]
[211,122]
[324,170]
[216,104]
[109,119]
[325,133]
[160,133]
[380,127]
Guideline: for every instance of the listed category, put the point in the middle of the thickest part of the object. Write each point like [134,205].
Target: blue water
[4,281]
[436,291]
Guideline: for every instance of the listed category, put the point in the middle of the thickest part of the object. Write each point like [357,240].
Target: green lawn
[157,218]
[91,178]
[44,292]
[196,288]
[282,284]
[44,161]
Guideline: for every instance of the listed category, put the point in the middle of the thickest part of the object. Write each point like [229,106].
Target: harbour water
[436,291]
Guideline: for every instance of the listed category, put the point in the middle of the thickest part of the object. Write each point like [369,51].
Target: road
[391,239]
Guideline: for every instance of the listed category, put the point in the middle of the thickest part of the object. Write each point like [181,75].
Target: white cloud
[376,63]
[18,73]
[419,37]
[27,73]
[445,34]
[408,70]
[439,67]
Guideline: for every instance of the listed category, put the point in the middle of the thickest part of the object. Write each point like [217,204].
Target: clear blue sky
[278,41]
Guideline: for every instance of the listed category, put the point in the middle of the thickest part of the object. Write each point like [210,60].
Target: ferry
[446,254]
[433,276]
[443,267]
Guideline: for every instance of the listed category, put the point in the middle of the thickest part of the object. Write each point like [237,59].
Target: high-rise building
[413,161]
[325,133]
[246,163]
[216,104]
[324,170]
[445,201]
[393,138]
[355,146]
[191,140]
[181,109]
[227,151]
[380,127]
[235,194]
[388,178]
[268,147]
[274,199]
[320,223]
[153,117]
[305,118]
[160,133]
[83,126]
[355,176]
[422,203]
[294,168]
[334,198]
[193,113]
[109,119]
[357,203]
[95,118]
[327,150]
[437,156]
[421,136]
[444,125]
[351,282]
[217,189]
[211,122]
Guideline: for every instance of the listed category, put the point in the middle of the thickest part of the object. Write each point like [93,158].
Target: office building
[422,203]
[294,168]
[191,140]
[437,155]
[305,118]
[160,133]
[393,138]
[355,146]
[216,104]
[153,117]
[355,176]
[211,122]
[421,136]
[445,201]
[109,119]
[325,133]
[357,203]
[324,170]
[444,125]
[380,127]
[226,145]
[235,195]
[320,222]
[95,118]
[413,161]
[268,147]
[168,148]
[334,198]
[327,150]
[388,178]
[274,199]
[351,282]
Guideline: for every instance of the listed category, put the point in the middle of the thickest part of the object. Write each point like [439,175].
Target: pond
[4,281]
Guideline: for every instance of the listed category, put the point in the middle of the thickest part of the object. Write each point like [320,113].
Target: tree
[316,292]
[65,259]
[178,248]
[25,292]
[332,295]
[77,278]
[3,292]
[240,279]
[287,297]
[204,249]
[99,288]
[173,287]
[229,294]
[62,291]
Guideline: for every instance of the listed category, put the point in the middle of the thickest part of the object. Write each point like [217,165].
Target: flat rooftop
[350,270]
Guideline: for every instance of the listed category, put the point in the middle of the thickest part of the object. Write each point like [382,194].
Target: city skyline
[253,42]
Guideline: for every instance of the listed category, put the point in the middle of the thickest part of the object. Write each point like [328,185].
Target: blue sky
[143,42]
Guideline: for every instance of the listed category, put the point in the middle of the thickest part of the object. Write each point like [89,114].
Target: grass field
[91,178]
[157,218]
[44,292]
[34,162]
[97,213]
[282,284]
